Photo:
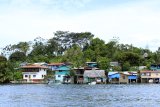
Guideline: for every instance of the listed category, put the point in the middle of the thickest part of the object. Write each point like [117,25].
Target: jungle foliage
[76,48]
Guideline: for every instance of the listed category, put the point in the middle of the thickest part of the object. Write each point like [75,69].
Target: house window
[148,74]
[157,74]
[143,74]
[123,76]
[29,76]
[26,76]
[59,75]
[34,76]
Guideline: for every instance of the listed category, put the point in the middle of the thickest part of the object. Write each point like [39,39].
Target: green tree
[67,39]
[111,49]
[104,63]
[74,55]
[3,59]
[95,50]
[5,70]
[126,66]
[52,47]
[22,46]
[89,55]
[39,52]
[17,56]
[132,58]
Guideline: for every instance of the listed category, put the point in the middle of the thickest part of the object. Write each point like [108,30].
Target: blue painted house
[155,67]
[62,73]
[54,66]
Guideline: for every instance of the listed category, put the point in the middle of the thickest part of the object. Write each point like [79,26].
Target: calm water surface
[34,95]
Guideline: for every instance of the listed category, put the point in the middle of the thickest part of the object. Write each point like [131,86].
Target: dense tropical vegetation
[76,48]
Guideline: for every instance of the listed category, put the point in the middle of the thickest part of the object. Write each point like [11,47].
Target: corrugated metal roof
[34,66]
[148,71]
[94,73]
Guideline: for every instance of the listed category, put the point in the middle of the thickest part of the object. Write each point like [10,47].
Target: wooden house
[122,77]
[79,75]
[94,75]
[150,76]
[113,77]
[128,77]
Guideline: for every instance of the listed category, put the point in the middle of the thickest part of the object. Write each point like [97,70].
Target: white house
[34,73]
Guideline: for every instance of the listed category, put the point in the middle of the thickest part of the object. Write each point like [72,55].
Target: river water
[43,95]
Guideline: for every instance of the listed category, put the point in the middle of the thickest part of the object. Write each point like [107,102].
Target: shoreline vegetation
[75,48]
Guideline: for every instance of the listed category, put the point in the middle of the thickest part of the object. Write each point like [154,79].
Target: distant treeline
[76,48]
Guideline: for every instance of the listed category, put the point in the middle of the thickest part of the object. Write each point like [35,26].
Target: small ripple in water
[113,95]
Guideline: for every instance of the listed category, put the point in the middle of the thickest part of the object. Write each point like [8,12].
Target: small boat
[67,82]
[92,83]
[150,81]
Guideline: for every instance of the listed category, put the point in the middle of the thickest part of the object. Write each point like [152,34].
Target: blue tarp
[132,77]
[115,75]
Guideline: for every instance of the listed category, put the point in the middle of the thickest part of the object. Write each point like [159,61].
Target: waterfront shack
[94,75]
[128,77]
[150,76]
[122,77]
[113,77]
[79,75]
[133,77]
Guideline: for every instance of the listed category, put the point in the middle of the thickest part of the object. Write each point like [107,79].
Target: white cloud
[137,23]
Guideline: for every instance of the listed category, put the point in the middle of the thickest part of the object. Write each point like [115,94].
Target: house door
[29,77]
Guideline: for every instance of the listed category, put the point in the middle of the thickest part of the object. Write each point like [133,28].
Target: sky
[135,22]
